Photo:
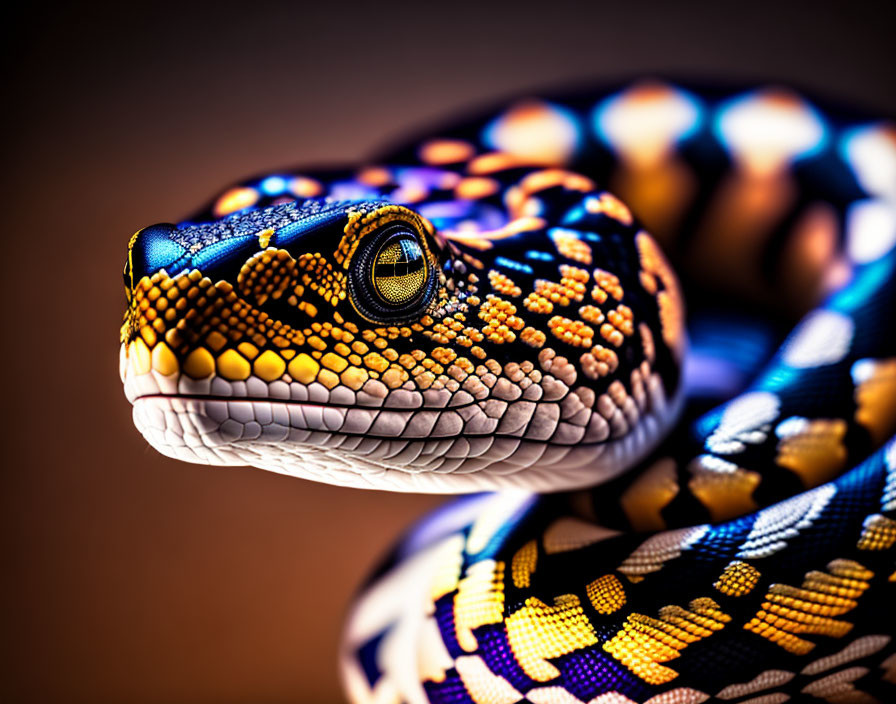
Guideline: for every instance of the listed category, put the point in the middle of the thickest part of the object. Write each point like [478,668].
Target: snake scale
[672,507]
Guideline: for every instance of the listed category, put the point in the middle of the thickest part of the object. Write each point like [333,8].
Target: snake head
[352,343]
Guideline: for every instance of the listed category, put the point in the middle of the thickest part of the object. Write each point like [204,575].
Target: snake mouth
[318,443]
[452,450]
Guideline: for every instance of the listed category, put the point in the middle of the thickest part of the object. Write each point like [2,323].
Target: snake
[662,502]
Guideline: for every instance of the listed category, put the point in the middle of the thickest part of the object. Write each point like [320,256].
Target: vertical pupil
[399,270]
[398,258]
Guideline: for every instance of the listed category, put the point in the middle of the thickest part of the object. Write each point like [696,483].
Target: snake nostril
[150,250]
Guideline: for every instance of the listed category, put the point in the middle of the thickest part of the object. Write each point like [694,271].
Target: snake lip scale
[165,399]
[210,431]
[673,511]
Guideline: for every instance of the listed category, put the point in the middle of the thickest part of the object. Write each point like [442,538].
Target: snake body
[475,311]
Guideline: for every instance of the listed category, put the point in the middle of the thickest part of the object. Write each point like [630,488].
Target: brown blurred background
[128,577]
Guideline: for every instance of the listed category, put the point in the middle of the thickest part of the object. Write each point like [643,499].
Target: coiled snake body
[475,312]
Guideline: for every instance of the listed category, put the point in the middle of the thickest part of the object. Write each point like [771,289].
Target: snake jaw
[317,443]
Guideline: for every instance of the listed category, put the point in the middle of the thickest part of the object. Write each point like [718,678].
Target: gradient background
[128,576]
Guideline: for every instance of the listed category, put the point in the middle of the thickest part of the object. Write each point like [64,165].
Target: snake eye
[392,278]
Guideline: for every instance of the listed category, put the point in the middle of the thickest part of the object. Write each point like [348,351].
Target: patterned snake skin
[474,312]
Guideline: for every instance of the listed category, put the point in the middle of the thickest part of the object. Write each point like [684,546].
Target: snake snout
[150,250]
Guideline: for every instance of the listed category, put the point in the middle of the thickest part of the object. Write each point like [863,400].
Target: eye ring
[392,278]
